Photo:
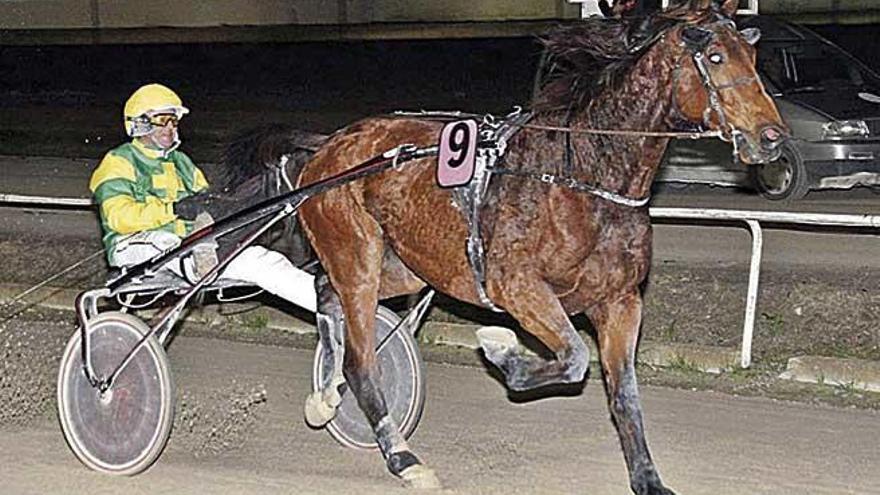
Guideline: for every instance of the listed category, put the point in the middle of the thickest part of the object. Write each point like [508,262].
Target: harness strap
[576,185]
[494,135]
[569,152]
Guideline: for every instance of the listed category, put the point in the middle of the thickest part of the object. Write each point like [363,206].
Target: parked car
[831,103]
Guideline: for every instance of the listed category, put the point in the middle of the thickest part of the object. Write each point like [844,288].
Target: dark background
[397,69]
[863,41]
[231,87]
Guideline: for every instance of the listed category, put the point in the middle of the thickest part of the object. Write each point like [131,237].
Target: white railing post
[752,296]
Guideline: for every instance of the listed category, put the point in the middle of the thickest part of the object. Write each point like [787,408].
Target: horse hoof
[420,477]
[497,338]
[318,412]
[332,397]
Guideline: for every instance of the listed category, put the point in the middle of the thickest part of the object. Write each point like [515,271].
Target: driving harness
[494,133]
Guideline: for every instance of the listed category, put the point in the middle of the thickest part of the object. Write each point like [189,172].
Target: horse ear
[700,4]
[728,7]
[752,35]
[684,6]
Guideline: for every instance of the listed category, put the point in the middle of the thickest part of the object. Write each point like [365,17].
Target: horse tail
[253,151]
[259,152]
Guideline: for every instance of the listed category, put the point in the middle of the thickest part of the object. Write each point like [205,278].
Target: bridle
[727,132]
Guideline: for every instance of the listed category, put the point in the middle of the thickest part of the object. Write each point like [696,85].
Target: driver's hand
[189,208]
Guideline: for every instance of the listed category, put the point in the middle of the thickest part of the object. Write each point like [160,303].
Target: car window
[809,66]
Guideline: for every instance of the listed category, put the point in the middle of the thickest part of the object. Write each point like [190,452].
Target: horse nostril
[770,137]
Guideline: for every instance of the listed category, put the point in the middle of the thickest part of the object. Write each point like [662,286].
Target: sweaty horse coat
[551,251]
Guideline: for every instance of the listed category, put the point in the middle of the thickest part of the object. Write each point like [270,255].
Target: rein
[597,191]
[625,132]
[276,207]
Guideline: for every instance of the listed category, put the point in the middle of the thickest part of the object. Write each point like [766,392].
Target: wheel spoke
[123,430]
[403,386]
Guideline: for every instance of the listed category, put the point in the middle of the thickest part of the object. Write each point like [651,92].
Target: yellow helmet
[147,101]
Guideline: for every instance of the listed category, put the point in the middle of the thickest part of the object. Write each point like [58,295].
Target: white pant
[270,270]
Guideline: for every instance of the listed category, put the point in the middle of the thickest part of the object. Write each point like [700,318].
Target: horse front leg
[617,324]
[534,305]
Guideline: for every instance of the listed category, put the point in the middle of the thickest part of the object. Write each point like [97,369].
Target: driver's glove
[189,208]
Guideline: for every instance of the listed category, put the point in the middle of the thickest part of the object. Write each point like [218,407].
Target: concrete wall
[824,11]
[78,14]
[160,21]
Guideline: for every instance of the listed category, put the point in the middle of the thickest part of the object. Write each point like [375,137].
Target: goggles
[163,119]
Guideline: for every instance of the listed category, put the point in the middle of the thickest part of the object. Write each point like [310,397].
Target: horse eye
[716,58]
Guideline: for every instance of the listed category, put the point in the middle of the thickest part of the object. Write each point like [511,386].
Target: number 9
[459,144]
[457,152]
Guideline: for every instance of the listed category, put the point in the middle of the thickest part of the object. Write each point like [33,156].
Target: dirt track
[252,439]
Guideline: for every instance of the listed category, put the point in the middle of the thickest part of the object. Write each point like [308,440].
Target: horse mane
[583,59]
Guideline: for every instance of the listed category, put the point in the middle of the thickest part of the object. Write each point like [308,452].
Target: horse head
[716,84]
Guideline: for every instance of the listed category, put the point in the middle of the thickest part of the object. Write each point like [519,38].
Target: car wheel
[783,179]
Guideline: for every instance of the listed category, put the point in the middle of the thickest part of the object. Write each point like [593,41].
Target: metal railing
[20,199]
[751,218]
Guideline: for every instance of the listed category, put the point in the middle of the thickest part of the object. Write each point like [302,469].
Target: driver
[140,187]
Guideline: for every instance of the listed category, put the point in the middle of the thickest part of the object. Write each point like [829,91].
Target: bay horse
[552,248]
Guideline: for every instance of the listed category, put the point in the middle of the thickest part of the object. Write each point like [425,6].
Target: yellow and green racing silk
[136,187]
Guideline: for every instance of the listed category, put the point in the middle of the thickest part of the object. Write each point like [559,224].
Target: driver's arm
[113,185]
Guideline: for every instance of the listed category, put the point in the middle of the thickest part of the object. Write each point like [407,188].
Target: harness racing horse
[578,241]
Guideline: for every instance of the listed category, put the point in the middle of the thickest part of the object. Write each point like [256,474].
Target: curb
[856,373]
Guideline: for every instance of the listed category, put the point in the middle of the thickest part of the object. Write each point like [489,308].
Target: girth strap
[469,199]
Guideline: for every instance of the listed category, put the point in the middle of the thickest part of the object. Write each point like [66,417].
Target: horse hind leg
[321,405]
[539,312]
[354,266]
[363,375]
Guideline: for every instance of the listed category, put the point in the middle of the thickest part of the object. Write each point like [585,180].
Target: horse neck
[641,102]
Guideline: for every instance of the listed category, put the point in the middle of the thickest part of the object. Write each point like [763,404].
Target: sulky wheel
[403,383]
[123,430]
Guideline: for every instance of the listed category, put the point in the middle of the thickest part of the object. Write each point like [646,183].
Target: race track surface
[471,434]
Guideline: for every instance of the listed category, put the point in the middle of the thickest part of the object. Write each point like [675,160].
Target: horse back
[413,217]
